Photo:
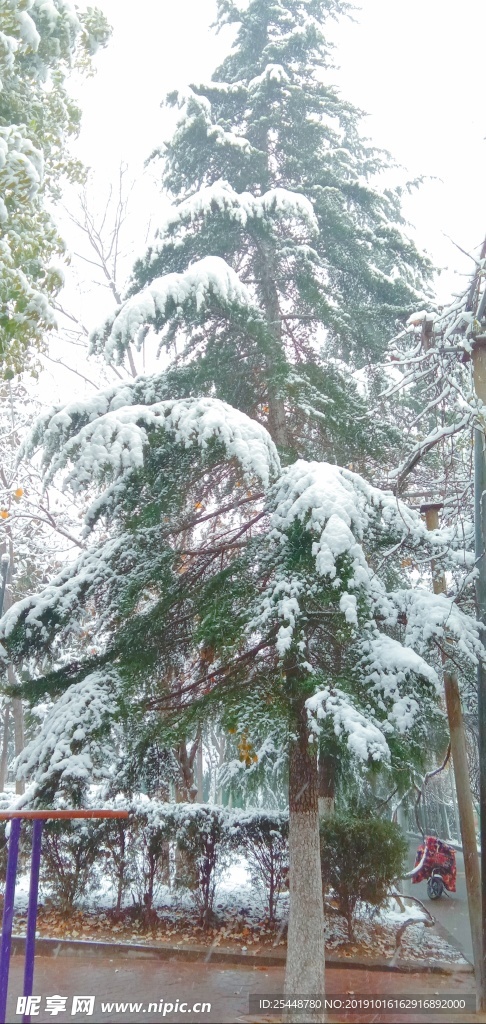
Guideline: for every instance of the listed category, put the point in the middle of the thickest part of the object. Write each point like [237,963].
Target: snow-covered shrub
[360,857]
[147,852]
[262,836]
[118,850]
[70,865]
[203,834]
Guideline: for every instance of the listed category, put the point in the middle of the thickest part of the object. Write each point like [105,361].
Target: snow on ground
[240,923]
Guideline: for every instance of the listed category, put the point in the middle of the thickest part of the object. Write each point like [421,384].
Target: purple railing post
[32,912]
[8,912]
[38,817]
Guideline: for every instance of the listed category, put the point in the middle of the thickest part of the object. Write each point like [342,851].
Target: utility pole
[479,370]
[461,775]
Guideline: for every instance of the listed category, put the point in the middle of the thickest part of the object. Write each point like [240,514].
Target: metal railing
[38,818]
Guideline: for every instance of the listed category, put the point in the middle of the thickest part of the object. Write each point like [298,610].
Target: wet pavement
[123,980]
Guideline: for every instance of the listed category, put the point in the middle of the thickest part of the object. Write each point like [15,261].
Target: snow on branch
[115,442]
[21,168]
[61,600]
[53,428]
[342,511]
[207,281]
[434,618]
[272,73]
[386,666]
[242,207]
[387,663]
[317,492]
[281,600]
[365,739]
[198,110]
[346,517]
[67,747]
[425,445]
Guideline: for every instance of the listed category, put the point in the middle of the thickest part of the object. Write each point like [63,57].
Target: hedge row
[188,846]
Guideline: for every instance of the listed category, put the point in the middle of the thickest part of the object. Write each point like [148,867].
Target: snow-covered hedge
[262,836]
[187,846]
[71,865]
[183,845]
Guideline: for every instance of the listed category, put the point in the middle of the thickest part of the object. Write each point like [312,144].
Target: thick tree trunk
[186,789]
[327,785]
[305,943]
[4,757]
[186,792]
[277,418]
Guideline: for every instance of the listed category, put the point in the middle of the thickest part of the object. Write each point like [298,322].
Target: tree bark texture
[277,419]
[4,757]
[305,943]
[327,785]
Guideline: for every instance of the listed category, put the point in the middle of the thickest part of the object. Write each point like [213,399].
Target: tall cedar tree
[226,572]
[268,171]
[280,595]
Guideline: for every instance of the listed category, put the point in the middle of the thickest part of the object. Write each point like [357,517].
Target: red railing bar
[44,815]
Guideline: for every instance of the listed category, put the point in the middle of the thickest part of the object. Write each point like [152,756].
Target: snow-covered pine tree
[226,580]
[268,172]
[277,276]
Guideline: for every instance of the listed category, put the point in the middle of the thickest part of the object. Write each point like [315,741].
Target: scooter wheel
[435,887]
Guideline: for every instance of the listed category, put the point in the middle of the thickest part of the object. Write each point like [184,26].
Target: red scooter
[435,862]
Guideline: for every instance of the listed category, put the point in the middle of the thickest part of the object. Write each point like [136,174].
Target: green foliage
[187,846]
[208,596]
[360,858]
[70,865]
[202,836]
[38,45]
[327,281]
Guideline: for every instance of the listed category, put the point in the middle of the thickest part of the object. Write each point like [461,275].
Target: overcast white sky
[415,67]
